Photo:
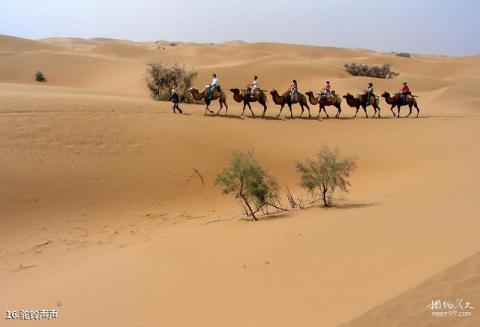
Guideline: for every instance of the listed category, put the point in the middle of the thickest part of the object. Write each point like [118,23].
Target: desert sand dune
[16,44]
[105,219]
[409,308]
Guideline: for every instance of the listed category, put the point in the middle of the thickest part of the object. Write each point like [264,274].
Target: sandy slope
[457,285]
[104,217]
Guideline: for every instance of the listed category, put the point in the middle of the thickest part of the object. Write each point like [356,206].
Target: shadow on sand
[301,118]
[263,117]
[353,205]
[271,216]
[224,116]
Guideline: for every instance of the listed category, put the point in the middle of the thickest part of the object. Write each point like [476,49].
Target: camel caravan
[326,98]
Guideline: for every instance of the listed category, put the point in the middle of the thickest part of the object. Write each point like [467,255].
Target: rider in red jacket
[404,92]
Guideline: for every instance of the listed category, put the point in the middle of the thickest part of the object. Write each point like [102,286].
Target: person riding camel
[293,90]
[368,93]
[254,86]
[213,86]
[405,92]
[325,92]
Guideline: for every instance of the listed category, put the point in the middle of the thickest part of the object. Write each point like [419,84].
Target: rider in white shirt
[254,85]
[213,85]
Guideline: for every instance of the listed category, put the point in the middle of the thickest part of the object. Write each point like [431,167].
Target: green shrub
[250,184]
[403,54]
[328,173]
[39,77]
[161,80]
[383,71]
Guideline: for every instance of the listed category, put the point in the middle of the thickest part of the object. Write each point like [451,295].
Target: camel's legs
[365,109]
[393,112]
[250,107]
[291,112]
[207,107]
[356,113]
[244,105]
[309,114]
[281,108]
[325,111]
[418,110]
[398,114]
[264,108]
[339,111]
[221,107]
[410,108]
[301,106]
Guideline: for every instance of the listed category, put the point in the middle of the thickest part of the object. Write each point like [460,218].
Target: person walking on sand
[175,100]
[293,91]
[404,92]
[213,86]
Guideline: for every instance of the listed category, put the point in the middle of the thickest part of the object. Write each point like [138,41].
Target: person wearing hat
[293,90]
[325,92]
[404,92]
[213,86]
[368,93]
[175,100]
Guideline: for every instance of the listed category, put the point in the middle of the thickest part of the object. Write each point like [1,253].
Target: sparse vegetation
[326,174]
[162,79]
[383,71]
[403,54]
[250,184]
[39,77]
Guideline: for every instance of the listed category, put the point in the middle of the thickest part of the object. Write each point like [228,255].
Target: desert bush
[403,54]
[326,174]
[251,185]
[162,79]
[39,77]
[383,71]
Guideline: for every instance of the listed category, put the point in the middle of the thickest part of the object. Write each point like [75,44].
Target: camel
[203,95]
[285,99]
[243,96]
[359,101]
[396,101]
[333,100]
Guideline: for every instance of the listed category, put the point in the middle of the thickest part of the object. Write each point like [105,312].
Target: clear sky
[422,26]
